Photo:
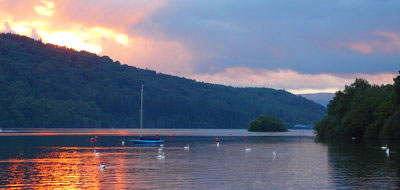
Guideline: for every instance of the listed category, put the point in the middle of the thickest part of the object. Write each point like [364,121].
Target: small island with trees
[267,123]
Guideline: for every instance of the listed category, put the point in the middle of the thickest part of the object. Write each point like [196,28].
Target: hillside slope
[44,85]
[320,98]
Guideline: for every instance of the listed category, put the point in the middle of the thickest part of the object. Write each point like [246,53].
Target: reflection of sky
[71,164]
[302,46]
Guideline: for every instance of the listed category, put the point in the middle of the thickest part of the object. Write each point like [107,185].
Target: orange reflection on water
[60,170]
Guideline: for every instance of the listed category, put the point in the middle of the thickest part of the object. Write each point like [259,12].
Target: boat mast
[141,108]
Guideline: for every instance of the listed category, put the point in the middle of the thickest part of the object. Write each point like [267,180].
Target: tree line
[363,110]
[44,85]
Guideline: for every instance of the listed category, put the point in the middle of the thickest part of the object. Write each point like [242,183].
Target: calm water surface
[46,161]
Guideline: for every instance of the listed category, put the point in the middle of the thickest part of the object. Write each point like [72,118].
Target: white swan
[247,149]
[384,147]
[186,147]
[96,153]
[273,154]
[123,143]
[161,148]
[161,156]
[102,166]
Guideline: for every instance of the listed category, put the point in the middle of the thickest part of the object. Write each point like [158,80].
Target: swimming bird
[102,166]
[186,147]
[247,149]
[161,145]
[387,151]
[123,143]
[96,153]
[273,154]
[161,156]
[384,147]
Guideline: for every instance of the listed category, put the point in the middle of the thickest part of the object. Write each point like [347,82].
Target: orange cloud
[289,80]
[103,28]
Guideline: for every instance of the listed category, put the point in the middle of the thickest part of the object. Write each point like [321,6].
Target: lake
[65,159]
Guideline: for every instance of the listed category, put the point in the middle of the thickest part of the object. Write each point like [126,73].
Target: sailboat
[145,140]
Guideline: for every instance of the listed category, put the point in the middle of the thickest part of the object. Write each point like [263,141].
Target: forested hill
[43,85]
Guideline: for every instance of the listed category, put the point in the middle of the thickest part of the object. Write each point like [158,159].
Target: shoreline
[151,132]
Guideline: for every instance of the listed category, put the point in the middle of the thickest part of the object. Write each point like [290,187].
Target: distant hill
[320,98]
[44,85]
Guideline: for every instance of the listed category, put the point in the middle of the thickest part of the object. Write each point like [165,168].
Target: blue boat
[145,140]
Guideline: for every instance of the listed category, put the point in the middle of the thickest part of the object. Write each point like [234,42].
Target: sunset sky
[300,46]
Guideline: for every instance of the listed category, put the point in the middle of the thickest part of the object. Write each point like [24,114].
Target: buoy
[96,138]
[171,137]
[245,138]
[91,139]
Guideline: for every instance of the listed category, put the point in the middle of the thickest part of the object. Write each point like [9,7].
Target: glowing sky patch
[74,37]
[46,8]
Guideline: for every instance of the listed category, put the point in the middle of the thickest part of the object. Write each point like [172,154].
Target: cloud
[289,80]
[169,57]
[236,43]
[361,47]
[379,42]
[46,8]
[102,27]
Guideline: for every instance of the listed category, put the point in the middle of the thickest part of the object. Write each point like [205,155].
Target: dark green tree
[361,110]
[268,123]
[397,87]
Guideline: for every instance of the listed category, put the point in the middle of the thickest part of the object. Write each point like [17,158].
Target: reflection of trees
[362,166]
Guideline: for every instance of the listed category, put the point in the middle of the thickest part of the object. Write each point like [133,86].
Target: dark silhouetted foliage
[362,110]
[43,85]
[268,123]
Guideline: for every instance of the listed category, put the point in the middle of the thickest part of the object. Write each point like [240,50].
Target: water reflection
[363,165]
[69,162]
[67,170]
